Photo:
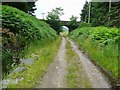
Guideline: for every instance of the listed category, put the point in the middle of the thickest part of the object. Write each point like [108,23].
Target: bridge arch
[64,30]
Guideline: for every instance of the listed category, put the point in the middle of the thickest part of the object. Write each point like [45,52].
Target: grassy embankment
[101,44]
[76,77]
[43,53]
[25,36]
[19,31]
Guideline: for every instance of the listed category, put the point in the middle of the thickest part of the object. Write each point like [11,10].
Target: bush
[83,24]
[98,34]
[25,25]
[19,30]
[101,44]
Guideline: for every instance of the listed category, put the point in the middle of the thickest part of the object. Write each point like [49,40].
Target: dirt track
[97,78]
[54,78]
[55,75]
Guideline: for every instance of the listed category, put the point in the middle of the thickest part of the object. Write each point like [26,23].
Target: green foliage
[22,30]
[41,52]
[54,24]
[24,25]
[55,14]
[28,7]
[53,18]
[103,35]
[114,15]
[101,14]
[84,14]
[8,44]
[101,43]
[73,24]
[6,65]
[83,24]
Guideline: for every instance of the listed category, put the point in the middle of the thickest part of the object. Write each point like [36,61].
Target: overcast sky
[71,7]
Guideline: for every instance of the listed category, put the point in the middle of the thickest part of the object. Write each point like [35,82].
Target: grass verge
[107,57]
[101,45]
[76,77]
[43,55]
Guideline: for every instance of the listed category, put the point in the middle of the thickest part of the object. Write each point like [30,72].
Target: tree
[53,18]
[55,14]
[84,14]
[28,7]
[73,24]
[114,15]
[102,14]
[31,7]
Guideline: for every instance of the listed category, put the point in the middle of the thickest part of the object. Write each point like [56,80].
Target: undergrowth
[43,54]
[19,31]
[101,44]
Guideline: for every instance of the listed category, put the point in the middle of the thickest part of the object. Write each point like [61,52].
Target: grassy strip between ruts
[34,72]
[75,77]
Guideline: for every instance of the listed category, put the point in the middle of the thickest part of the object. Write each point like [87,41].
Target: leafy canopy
[24,5]
[53,18]
[73,24]
[101,14]
[55,14]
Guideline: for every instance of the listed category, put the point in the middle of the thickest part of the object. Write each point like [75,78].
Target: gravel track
[97,78]
[54,78]
[55,75]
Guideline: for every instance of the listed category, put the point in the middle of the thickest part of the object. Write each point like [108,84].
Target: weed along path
[97,78]
[55,75]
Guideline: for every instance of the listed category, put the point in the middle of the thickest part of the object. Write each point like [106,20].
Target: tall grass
[104,54]
[32,75]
